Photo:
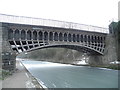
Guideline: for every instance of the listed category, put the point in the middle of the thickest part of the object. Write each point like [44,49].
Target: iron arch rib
[26,38]
[74,47]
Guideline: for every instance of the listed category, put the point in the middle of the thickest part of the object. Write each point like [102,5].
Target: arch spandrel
[37,38]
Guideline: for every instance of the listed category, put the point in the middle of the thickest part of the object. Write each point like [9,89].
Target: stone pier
[8,56]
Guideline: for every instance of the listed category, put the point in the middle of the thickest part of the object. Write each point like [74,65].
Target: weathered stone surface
[0,45]
[8,55]
[0,54]
[110,53]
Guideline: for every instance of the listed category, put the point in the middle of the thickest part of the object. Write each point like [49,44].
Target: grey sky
[93,12]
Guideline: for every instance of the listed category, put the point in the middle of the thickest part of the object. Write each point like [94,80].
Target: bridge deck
[51,23]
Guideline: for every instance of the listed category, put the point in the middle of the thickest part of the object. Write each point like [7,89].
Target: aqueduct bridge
[24,34]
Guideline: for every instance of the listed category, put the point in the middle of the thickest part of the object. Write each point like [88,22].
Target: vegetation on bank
[109,66]
[4,74]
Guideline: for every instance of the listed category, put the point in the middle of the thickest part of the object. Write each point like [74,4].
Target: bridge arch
[80,48]
[40,39]
[28,38]
[25,37]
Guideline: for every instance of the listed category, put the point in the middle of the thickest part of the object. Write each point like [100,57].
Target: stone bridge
[24,34]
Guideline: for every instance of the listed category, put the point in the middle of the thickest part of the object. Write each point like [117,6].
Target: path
[20,79]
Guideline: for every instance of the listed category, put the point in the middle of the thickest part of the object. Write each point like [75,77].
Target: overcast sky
[91,12]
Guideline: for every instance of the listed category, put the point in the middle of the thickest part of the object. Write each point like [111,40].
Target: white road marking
[21,64]
[27,75]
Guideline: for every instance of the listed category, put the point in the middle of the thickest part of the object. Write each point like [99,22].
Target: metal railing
[51,23]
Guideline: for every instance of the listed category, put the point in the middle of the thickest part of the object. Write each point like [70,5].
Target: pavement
[20,79]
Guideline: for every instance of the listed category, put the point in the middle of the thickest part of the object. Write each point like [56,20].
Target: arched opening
[65,37]
[75,47]
[85,38]
[34,35]
[74,38]
[78,38]
[23,35]
[69,37]
[40,35]
[98,39]
[89,38]
[92,39]
[60,37]
[17,34]
[101,39]
[45,35]
[51,36]
[56,36]
[95,39]
[10,34]
[29,35]
[81,38]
